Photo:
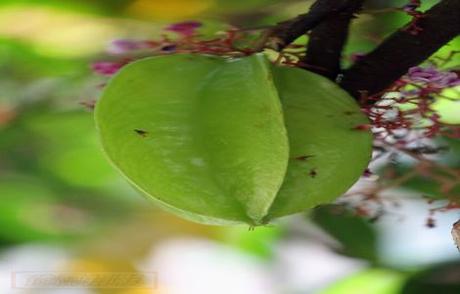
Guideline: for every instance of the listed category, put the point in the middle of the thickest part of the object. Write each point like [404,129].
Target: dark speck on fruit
[313,173]
[141,133]
[303,157]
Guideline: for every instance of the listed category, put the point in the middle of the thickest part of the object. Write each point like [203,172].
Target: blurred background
[64,209]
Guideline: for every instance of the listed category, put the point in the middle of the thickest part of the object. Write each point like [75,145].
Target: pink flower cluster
[186,28]
[432,77]
[186,40]
[123,46]
[106,68]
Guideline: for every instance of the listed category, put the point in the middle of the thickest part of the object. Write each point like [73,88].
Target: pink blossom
[106,68]
[186,28]
[433,77]
[123,46]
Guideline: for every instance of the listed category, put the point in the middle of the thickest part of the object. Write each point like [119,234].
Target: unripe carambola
[224,141]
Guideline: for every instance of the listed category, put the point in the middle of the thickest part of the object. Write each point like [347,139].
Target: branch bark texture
[403,49]
[327,40]
[286,32]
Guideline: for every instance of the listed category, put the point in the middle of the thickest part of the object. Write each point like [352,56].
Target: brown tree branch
[327,39]
[406,48]
[284,33]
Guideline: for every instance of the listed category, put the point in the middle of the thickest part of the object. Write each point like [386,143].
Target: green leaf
[327,155]
[355,234]
[203,136]
[441,278]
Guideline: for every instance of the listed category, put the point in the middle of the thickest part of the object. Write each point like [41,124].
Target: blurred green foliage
[373,281]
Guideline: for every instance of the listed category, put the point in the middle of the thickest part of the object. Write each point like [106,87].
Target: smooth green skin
[320,120]
[216,149]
